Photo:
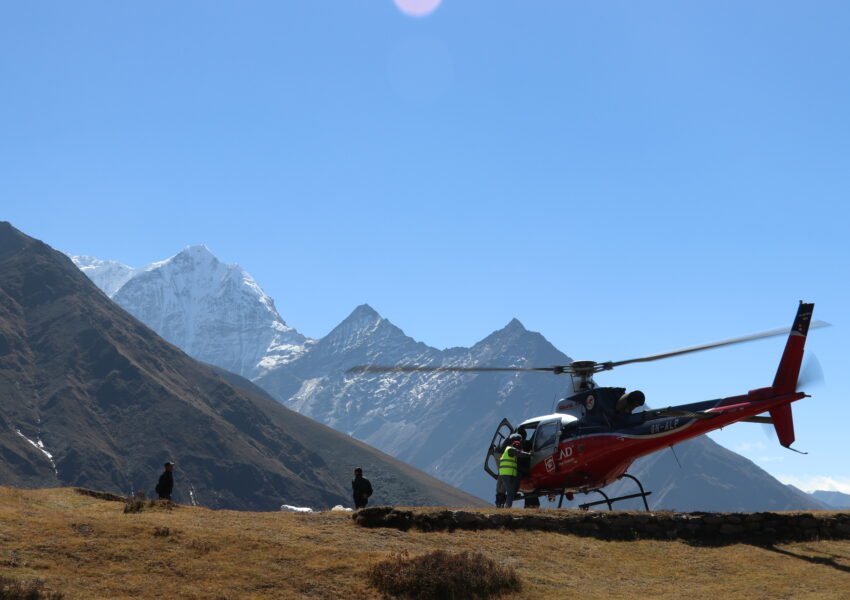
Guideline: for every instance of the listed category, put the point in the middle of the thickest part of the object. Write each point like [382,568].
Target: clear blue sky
[623,177]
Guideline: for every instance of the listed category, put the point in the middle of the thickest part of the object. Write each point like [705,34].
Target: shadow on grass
[817,560]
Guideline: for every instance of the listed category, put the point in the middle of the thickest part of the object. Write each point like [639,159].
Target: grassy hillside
[89,548]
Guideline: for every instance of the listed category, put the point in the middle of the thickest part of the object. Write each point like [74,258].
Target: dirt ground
[89,548]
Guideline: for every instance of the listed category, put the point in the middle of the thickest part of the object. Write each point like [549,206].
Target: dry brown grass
[88,548]
[13,589]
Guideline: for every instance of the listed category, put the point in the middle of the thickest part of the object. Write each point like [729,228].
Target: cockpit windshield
[546,435]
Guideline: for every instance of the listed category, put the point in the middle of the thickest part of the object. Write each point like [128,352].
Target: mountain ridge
[442,422]
[94,398]
[832,499]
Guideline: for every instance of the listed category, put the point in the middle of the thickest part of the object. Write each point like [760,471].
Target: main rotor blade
[730,342]
[438,369]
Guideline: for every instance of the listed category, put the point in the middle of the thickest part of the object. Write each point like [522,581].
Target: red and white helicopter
[596,434]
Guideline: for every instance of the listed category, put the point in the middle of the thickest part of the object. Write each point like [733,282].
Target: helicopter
[597,432]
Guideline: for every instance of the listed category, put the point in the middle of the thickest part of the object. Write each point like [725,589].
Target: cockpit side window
[569,430]
[546,434]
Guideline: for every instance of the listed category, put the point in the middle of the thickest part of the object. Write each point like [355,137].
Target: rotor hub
[583,367]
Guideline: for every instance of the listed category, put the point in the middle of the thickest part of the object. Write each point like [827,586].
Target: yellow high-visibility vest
[507,464]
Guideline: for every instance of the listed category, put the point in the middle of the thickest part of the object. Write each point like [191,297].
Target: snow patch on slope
[39,445]
[295,509]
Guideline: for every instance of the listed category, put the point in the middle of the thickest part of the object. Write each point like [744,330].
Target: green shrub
[11,589]
[443,575]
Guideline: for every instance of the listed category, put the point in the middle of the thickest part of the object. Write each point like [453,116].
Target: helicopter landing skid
[610,501]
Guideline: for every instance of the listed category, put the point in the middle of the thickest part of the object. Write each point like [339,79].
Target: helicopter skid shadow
[827,561]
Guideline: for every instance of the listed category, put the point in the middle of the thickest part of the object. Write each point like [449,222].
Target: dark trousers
[511,488]
[360,501]
[500,493]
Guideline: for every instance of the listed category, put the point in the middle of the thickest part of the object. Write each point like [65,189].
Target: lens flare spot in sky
[417,8]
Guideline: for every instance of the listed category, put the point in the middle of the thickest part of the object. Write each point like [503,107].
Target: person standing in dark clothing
[166,482]
[361,489]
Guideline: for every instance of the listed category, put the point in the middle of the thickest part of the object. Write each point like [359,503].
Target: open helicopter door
[497,446]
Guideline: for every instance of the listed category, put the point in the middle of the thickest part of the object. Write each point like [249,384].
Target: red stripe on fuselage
[595,460]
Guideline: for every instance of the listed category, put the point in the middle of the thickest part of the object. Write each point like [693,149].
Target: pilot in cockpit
[521,435]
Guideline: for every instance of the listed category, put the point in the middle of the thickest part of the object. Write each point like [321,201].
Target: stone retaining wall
[109,496]
[700,528]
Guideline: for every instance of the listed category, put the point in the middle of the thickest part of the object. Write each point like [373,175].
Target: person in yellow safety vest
[509,471]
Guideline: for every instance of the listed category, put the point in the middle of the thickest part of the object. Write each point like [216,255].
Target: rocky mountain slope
[441,422]
[92,397]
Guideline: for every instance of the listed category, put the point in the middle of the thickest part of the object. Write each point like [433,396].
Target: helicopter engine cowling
[630,401]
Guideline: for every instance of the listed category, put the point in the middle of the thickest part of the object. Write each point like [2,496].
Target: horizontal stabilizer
[764,420]
[784,424]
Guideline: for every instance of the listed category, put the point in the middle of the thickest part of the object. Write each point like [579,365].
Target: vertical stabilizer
[788,372]
[785,381]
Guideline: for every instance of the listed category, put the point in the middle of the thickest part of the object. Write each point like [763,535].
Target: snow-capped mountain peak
[363,311]
[356,327]
[198,252]
[369,337]
[193,255]
[215,312]
[512,342]
[108,275]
